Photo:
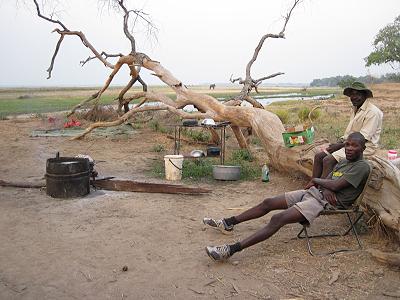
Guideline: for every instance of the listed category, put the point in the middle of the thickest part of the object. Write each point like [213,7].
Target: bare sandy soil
[76,249]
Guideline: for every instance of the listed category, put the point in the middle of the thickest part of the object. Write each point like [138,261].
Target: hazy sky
[198,41]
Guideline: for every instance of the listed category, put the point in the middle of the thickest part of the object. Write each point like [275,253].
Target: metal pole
[223,144]
[175,141]
[179,138]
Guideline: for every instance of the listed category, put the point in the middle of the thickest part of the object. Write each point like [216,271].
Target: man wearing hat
[366,118]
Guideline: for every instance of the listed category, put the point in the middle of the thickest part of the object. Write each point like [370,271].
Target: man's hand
[334,147]
[309,184]
[329,196]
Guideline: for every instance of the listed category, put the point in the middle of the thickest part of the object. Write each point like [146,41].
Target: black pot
[188,123]
[213,151]
[67,177]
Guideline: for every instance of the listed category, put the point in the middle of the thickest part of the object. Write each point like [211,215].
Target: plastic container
[392,154]
[298,138]
[265,173]
[173,167]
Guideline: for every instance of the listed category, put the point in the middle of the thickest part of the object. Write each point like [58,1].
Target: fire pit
[67,177]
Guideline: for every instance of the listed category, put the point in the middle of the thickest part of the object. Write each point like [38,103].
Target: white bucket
[173,167]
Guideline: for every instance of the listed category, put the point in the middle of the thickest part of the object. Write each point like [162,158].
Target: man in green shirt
[340,189]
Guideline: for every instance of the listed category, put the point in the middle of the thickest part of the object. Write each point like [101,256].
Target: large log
[144,187]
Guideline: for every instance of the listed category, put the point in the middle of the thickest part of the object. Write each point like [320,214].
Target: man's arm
[334,147]
[333,185]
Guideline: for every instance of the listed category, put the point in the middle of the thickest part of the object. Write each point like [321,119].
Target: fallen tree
[383,198]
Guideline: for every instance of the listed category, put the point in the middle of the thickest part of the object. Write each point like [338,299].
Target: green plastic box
[298,138]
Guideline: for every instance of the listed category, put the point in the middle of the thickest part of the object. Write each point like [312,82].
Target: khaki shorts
[309,202]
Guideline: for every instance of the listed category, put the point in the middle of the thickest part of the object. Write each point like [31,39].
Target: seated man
[366,119]
[341,188]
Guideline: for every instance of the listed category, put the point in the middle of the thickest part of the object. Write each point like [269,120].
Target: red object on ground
[72,123]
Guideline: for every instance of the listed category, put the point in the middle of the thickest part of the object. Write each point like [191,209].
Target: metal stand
[221,126]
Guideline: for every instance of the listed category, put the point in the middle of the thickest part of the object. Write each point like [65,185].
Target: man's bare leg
[318,164]
[288,216]
[328,163]
[267,205]
[317,167]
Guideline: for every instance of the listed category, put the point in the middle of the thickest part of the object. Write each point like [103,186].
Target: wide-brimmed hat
[358,86]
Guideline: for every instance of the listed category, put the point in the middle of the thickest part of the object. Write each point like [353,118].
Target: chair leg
[351,227]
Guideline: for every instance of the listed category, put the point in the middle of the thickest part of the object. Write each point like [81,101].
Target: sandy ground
[76,249]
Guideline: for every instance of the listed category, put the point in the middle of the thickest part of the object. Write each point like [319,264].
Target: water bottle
[265,173]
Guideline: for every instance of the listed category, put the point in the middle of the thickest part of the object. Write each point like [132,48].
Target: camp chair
[355,209]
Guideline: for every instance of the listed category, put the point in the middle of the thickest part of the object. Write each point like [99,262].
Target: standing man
[366,118]
[341,188]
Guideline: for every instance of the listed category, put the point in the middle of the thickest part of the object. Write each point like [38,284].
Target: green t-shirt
[356,173]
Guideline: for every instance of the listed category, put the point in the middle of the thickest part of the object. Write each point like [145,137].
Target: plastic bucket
[173,167]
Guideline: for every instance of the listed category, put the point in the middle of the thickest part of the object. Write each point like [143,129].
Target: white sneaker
[218,224]
[218,253]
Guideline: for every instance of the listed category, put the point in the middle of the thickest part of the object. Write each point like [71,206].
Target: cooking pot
[222,172]
[190,122]
[197,153]
[213,151]
[208,122]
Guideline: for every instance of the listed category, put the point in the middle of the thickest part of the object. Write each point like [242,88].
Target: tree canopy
[387,46]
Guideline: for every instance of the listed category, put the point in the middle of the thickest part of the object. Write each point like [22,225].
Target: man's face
[353,149]
[357,98]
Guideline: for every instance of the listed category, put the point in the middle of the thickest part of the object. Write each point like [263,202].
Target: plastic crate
[298,138]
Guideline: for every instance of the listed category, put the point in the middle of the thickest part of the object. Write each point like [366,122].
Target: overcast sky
[198,41]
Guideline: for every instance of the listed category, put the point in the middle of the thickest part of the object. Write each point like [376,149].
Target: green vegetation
[201,168]
[192,169]
[197,134]
[346,80]
[41,105]
[158,148]
[386,45]
[390,136]
[304,112]
[157,126]
[283,115]
[241,155]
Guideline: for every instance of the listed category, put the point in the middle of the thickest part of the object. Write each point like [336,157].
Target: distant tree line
[346,80]
[386,51]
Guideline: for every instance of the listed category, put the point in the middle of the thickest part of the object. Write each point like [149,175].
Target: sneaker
[218,253]
[218,224]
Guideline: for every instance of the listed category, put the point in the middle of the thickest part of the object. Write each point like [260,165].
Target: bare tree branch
[106,55]
[48,19]
[249,83]
[258,81]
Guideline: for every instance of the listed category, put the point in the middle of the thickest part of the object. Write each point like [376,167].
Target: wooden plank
[144,187]
[22,184]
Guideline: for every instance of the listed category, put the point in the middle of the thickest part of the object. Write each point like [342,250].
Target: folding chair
[355,209]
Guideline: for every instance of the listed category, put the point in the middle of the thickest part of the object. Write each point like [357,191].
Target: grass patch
[390,138]
[42,105]
[192,169]
[250,169]
[158,148]
[158,127]
[198,134]
[201,169]
[304,112]
[283,115]
[241,155]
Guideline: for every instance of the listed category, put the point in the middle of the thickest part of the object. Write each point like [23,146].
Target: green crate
[298,138]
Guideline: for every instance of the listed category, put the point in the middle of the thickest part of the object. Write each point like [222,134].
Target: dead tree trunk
[384,201]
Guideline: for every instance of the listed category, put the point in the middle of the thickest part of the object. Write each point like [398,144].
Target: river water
[262,99]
